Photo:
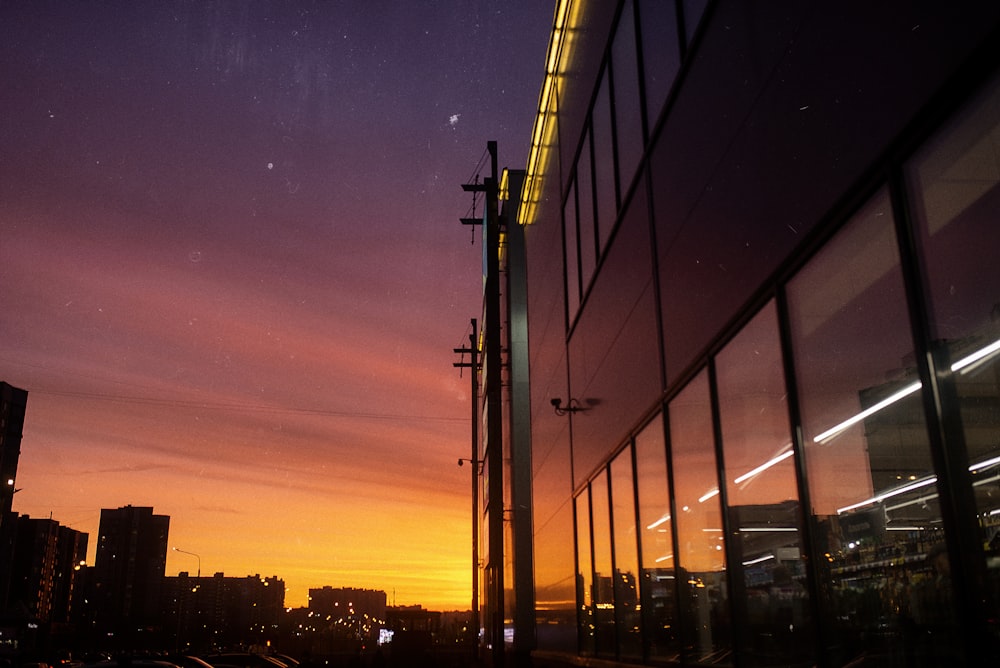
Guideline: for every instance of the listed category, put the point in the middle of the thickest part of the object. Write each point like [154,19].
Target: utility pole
[473,365]
[493,443]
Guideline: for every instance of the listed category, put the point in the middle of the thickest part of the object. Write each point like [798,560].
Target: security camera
[461,462]
[555,402]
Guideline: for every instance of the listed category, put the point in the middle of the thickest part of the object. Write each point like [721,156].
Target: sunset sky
[232,272]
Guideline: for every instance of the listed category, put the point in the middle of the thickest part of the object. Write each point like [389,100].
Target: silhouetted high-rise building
[222,611]
[12,406]
[129,567]
[13,403]
[347,601]
[44,568]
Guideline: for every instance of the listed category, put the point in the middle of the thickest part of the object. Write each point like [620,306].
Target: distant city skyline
[45,574]
[118,531]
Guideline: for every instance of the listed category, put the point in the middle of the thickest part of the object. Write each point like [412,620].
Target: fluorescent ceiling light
[758,560]
[970,362]
[708,495]
[850,422]
[965,365]
[891,493]
[766,465]
[979,466]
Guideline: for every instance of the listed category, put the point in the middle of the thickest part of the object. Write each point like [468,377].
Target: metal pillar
[492,363]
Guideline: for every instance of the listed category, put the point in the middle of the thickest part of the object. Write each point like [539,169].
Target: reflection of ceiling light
[766,557]
[922,500]
[666,557]
[708,495]
[965,365]
[904,528]
[984,481]
[665,518]
[766,465]
[979,466]
[971,362]
[767,529]
[919,501]
[891,493]
[850,422]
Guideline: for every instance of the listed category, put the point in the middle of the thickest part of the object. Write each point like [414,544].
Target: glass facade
[954,188]
[584,576]
[628,106]
[770,591]
[701,539]
[658,586]
[783,336]
[605,184]
[626,582]
[572,259]
[586,236]
[871,479]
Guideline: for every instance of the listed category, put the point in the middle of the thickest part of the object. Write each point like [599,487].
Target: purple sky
[232,272]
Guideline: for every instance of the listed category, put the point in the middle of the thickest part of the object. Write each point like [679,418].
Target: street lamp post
[196,556]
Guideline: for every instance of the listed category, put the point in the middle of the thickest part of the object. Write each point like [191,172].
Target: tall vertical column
[494,411]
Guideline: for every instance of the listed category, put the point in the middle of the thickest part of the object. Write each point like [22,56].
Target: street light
[198,557]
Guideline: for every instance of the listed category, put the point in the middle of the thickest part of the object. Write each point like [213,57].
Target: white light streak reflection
[708,495]
[758,560]
[835,430]
[965,365]
[976,359]
[923,482]
[891,493]
[766,465]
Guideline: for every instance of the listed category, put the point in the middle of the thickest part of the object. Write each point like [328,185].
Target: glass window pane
[658,586]
[661,53]
[955,181]
[604,598]
[701,559]
[604,163]
[872,486]
[585,204]
[763,498]
[555,590]
[617,330]
[628,110]
[626,557]
[572,257]
[584,575]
